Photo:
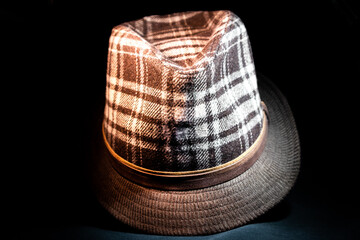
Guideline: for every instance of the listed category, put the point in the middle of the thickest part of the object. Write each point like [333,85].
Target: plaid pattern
[181,91]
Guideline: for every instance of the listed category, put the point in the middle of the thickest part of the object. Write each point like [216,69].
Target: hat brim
[213,209]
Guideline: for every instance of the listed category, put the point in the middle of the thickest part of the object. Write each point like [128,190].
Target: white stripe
[131,42]
[182,51]
[236,32]
[120,65]
[127,101]
[144,107]
[147,129]
[143,88]
[180,43]
[199,94]
[232,137]
[204,40]
[170,17]
[134,54]
[123,137]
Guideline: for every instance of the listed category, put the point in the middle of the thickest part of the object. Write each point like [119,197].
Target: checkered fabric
[181,91]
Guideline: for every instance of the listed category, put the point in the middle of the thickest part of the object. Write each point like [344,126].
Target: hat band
[190,180]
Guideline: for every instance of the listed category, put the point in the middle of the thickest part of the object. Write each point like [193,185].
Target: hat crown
[181,91]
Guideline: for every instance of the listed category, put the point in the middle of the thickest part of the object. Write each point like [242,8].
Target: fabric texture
[183,95]
[213,209]
[181,91]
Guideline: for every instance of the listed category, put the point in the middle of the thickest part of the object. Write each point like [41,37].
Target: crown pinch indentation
[171,113]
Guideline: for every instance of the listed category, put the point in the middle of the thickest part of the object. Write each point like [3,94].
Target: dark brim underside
[213,209]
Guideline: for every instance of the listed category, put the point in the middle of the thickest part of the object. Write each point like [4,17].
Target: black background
[54,65]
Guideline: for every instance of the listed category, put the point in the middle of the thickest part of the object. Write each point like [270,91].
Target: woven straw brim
[217,208]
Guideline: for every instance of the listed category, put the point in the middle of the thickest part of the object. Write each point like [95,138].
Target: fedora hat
[193,140]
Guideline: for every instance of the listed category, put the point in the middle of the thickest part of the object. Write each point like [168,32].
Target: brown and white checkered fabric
[181,91]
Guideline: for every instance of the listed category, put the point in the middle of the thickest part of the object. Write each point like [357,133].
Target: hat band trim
[190,180]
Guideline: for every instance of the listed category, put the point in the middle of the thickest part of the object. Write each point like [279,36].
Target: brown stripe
[189,180]
[183,55]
